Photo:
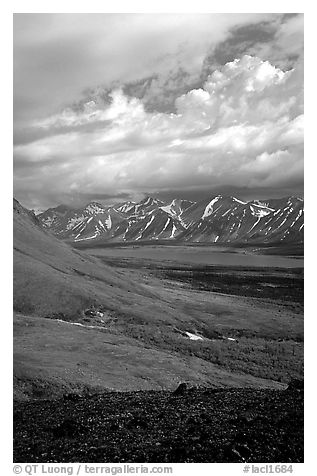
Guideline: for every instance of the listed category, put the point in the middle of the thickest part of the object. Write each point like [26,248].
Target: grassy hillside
[53,358]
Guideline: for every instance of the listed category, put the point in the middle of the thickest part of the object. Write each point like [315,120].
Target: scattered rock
[93,313]
[203,425]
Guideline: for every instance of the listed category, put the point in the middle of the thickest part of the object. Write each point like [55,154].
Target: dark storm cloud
[240,41]
[262,39]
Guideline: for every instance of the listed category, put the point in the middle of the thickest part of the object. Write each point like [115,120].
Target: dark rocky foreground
[194,425]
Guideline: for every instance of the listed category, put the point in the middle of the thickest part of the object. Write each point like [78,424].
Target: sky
[113,107]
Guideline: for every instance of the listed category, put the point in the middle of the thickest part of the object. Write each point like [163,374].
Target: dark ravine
[220,219]
[196,425]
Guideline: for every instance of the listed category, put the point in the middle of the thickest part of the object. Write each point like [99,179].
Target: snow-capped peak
[125,207]
[93,208]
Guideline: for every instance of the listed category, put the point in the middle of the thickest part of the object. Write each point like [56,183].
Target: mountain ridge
[216,219]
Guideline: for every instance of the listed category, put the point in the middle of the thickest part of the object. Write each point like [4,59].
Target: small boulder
[181,389]
[296,384]
[72,397]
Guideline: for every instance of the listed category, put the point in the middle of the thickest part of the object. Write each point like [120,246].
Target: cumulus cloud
[243,127]
[58,56]
[276,37]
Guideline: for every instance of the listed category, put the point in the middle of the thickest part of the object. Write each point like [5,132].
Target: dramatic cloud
[188,127]
[57,56]
[244,128]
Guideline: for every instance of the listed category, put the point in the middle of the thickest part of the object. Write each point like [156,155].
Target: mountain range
[217,219]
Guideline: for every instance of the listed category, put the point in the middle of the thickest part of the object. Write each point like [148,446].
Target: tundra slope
[220,219]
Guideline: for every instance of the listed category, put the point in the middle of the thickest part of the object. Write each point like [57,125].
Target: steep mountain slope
[220,219]
[81,224]
[177,207]
[228,219]
[144,207]
[127,222]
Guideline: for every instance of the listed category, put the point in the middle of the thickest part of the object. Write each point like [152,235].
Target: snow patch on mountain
[193,336]
[209,208]
[239,201]
[73,222]
[48,222]
[173,231]
[149,223]
[168,209]
[87,238]
[126,207]
[260,212]
[166,224]
[108,222]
